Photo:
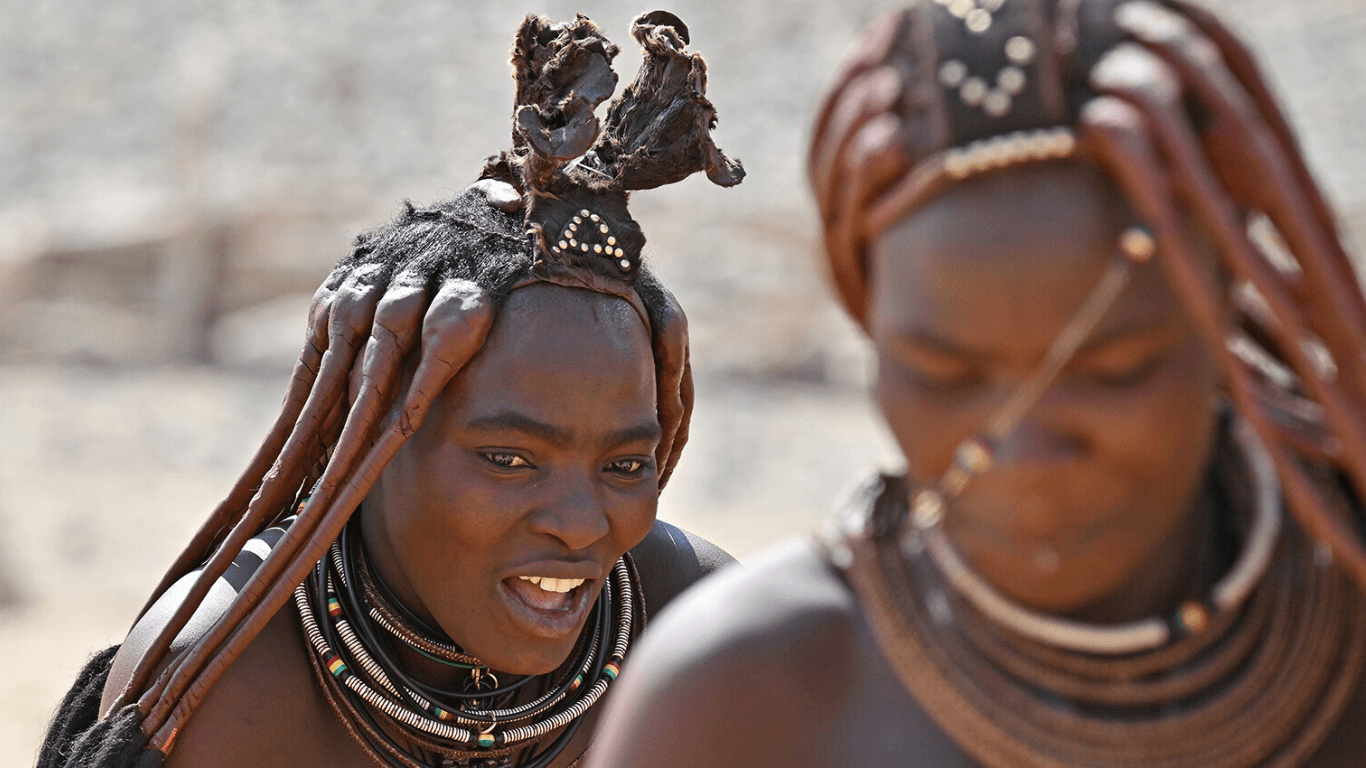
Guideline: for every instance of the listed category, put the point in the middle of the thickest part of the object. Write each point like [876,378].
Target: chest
[269,711]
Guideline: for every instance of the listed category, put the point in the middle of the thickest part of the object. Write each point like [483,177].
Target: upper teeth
[552,585]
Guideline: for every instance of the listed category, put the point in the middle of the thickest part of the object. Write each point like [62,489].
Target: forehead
[553,351]
[1006,257]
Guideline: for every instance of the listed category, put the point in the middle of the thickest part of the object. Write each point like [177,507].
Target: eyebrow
[942,345]
[649,430]
[516,422]
[1106,336]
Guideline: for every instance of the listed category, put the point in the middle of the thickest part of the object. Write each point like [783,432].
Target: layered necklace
[1256,673]
[352,623]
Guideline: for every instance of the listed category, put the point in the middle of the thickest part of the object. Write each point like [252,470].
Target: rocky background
[145,145]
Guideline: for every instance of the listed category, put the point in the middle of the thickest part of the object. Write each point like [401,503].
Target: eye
[505,460]
[1118,378]
[934,378]
[628,467]
[1120,370]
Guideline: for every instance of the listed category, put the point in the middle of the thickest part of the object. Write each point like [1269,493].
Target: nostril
[1034,443]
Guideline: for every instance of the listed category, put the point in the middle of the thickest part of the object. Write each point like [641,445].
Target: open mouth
[547,607]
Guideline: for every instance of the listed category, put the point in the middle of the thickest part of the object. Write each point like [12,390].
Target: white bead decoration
[1020,50]
[952,73]
[973,91]
[1011,80]
[978,21]
[996,104]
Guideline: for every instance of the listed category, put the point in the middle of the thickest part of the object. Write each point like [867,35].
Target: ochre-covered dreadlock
[1168,102]
[430,285]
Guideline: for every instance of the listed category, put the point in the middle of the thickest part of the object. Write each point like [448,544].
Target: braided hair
[1162,97]
[422,292]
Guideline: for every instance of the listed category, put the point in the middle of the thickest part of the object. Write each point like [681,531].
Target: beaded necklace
[351,622]
[1262,684]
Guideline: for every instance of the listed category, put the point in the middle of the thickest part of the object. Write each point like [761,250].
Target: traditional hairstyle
[1166,100]
[430,284]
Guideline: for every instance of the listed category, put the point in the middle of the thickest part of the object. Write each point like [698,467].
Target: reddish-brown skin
[449,519]
[775,665]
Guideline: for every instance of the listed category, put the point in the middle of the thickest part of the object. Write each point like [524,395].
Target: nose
[577,515]
[1045,436]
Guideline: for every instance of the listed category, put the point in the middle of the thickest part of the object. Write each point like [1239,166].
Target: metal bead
[1011,80]
[611,241]
[961,8]
[952,72]
[1137,243]
[973,91]
[594,217]
[928,509]
[597,248]
[624,263]
[578,220]
[978,21]
[1194,618]
[573,227]
[563,244]
[555,249]
[584,246]
[1020,50]
[973,455]
[573,243]
[584,212]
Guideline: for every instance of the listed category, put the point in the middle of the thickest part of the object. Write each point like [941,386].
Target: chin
[529,658]
[1045,581]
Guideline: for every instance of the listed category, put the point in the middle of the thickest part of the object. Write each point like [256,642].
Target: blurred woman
[1124,354]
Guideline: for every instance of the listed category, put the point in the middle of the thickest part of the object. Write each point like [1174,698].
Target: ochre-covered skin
[962,239]
[386,340]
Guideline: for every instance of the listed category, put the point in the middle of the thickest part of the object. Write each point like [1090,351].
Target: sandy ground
[346,108]
[105,474]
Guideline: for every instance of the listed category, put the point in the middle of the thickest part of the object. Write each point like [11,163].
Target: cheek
[927,427]
[1163,433]
[450,515]
[633,516]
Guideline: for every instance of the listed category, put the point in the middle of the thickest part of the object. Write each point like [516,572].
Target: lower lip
[551,625]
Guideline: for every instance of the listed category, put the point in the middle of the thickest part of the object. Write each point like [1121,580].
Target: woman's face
[1091,493]
[502,517]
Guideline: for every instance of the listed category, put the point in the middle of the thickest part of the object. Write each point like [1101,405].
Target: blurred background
[176,179]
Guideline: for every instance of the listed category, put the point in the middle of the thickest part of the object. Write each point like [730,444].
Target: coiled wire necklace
[1257,673]
[351,621]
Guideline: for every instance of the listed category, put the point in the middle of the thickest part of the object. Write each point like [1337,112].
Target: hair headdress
[576,175]
[418,290]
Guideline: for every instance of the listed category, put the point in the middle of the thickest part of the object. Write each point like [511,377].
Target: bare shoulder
[145,631]
[731,672]
[671,559]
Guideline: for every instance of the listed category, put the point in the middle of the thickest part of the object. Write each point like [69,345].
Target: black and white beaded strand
[354,657]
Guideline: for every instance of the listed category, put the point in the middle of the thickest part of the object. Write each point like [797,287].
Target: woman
[443,550]
[1109,395]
